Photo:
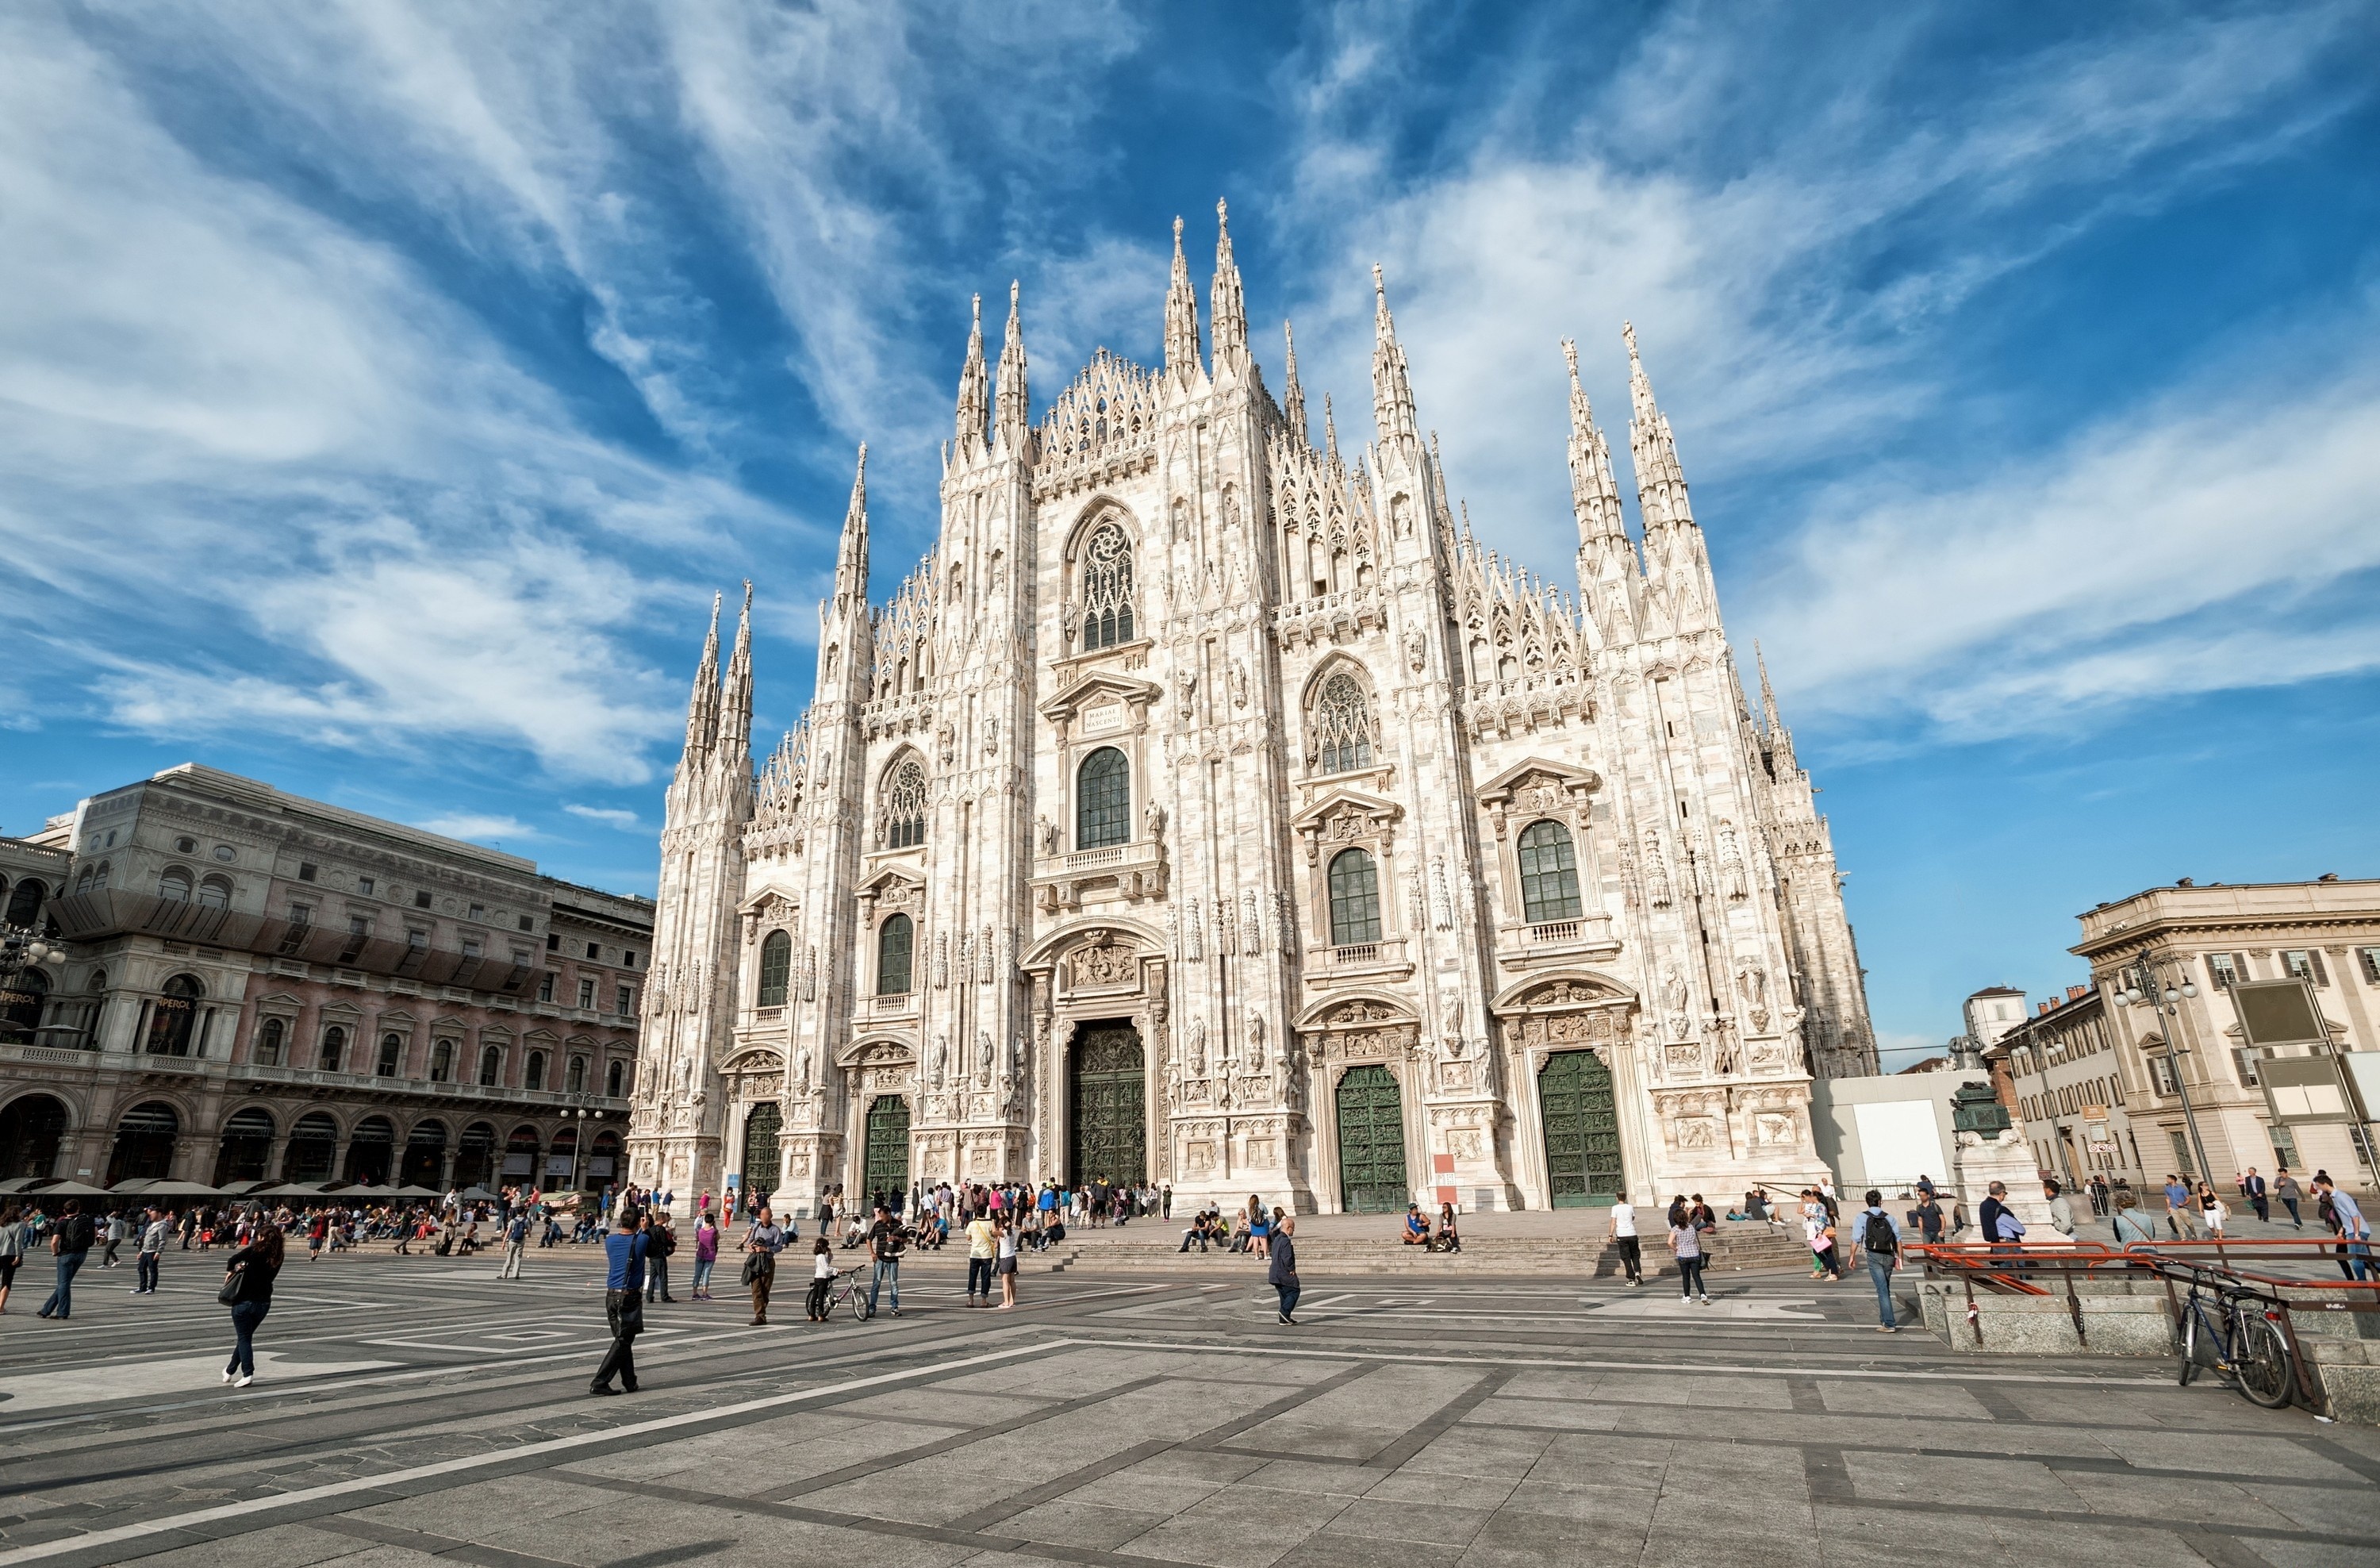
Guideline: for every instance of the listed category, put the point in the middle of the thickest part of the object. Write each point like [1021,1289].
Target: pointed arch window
[1103,800]
[1107,588]
[895,940]
[776,967]
[1354,898]
[901,811]
[1344,726]
[1548,873]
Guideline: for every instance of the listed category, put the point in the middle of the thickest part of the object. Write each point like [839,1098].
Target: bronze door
[1108,1106]
[1582,1130]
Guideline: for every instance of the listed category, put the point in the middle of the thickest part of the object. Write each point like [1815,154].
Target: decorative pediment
[878,1050]
[767,907]
[1541,784]
[1343,1011]
[1105,960]
[1098,689]
[893,888]
[1046,952]
[754,1061]
[1574,989]
[278,1000]
[541,1036]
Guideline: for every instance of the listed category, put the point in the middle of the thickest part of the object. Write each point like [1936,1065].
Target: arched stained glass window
[1342,725]
[1354,898]
[1548,873]
[901,813]
[776,965]
[895,940]
[1107,588]
[1103,800]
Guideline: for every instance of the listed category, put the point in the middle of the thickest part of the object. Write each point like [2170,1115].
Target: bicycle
[2250,1350]
[850,1291]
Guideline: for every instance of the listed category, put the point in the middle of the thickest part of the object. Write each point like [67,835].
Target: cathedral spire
[1660,482]
[1293,397]
[1594,496]
[1392,403]
[1781,739]
[1229,316]
[975,407]
[735,705]
[1181,315]
[1015,413]
[702,706]
[1329,431]
[851,556]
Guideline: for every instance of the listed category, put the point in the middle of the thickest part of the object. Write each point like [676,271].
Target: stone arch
[35,1125]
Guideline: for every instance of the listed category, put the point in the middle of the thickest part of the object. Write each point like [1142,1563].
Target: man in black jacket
[70,1244]
[660,1242]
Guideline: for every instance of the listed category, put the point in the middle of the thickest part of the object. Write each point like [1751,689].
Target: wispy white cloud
[479,828]
[610,815]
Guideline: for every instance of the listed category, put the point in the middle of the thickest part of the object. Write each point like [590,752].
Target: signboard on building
[2278,1013]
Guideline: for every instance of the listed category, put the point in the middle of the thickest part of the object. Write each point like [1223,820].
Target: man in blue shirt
[623,1304]
[1879,1235]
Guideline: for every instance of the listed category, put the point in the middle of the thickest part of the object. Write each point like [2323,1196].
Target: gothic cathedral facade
[1206,809]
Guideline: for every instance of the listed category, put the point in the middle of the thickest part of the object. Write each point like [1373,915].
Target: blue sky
[384,393]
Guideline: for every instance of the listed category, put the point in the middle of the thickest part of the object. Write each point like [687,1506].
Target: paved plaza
[412,1410]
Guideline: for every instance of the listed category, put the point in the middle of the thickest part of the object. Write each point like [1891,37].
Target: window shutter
[2321,976]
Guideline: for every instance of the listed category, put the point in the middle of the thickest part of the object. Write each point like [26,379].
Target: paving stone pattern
[1120,1421]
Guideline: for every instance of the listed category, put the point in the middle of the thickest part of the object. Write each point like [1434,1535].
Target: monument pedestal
[2005,1157]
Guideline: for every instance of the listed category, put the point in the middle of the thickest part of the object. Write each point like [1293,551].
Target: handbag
[234,1290]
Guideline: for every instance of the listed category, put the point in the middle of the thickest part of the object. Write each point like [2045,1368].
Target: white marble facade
[1194,746]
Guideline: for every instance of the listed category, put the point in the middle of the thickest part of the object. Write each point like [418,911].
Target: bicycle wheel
[2261,1359]
[859,1312]
[2186,1329]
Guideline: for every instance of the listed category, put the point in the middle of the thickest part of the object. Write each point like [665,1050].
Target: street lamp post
[2143,988]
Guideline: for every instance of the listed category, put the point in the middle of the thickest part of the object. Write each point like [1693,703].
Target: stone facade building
[265,986]
[2063,1080]
[1209,806]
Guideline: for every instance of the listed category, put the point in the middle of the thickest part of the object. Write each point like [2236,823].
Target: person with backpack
[1879,1239]
[515,1245]
[660,1242]
[71,1245]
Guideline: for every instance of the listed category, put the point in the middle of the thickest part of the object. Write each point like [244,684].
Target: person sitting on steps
[1417,1230]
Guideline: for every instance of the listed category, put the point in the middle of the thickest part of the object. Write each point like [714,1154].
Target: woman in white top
[1005,1266]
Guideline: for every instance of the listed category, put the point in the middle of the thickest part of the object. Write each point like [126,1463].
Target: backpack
[1877,1237]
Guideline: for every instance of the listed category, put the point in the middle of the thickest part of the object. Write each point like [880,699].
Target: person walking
[515,1245]
[154,1234]
[706,1253]
[623,1303]
[1686,1247]
[2212,1211]
[1880,1242]
[13,1236]
[1280,1271]
[1927,1215]
[761,1244]
[248,1274]
[1004,1263]
[2347,1223]
[2178,1205]
[1625,1241]
[983,1251]
[70,1242]
[2061,1208]
[2258,1195]
[2286,1188]
[885,1245]
[2131,1226]
[116,1231]
[660,1241]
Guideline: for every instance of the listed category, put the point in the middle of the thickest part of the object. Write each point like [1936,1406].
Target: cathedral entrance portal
[761,1165]
[1371,1143]
[887,1171]
[1107,1104]
[1582,1130]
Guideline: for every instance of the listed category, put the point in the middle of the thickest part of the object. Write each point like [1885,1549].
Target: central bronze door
[888,1147]
[1107,1103]
[1371,1143]
[1582,1130]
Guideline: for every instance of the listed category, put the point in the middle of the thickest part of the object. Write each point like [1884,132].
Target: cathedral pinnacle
[851,556]
[702,706]
[735,744]
[975,407]
[1181,315]
[1392,403]
[1293,397]
[1660,482]
[1329,431]
[1016,402]
[1781,739]
[1229,315]
[1594,496]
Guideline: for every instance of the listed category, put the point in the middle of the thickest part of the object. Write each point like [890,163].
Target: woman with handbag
[760,1247]
[247,1290]
[1282,1273]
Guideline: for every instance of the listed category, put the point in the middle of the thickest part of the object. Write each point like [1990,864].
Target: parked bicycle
[2232,1331]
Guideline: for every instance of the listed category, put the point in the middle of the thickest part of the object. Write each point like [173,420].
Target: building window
[334,1045]
[2243,1062]
[2223,969]
[1354,898]
[2181,1155]
[594,952]
[186,846]
[1102,800]
[894,939]
[587,993]
[2285,1148]
[776,968]
[535,1078]
[1342,725]
[471,947]
[553,941]
[545,986]
[174,886]
[421,899]
[627,1002]
[2370,959]
[627,958]
[268,1042]
[1107,588]
[215,892]
[174,1016]
[528,924]
[1548,873]
[441,1061]
[2305,965]
[2161,1076]
[479,911]
[391,1052]
[301,915]
[578,1079]
[416,940]
[900,806]
[492,1062]
[305,870]
[364,885]
[616,1078]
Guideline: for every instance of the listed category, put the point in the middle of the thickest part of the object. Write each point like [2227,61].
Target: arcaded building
[1209,807]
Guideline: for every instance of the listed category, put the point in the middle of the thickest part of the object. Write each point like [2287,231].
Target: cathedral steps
[1154,1246]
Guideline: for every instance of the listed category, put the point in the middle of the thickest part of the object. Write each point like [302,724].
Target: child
[821,1275]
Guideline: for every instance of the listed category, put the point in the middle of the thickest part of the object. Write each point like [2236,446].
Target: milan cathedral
[1208,808]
